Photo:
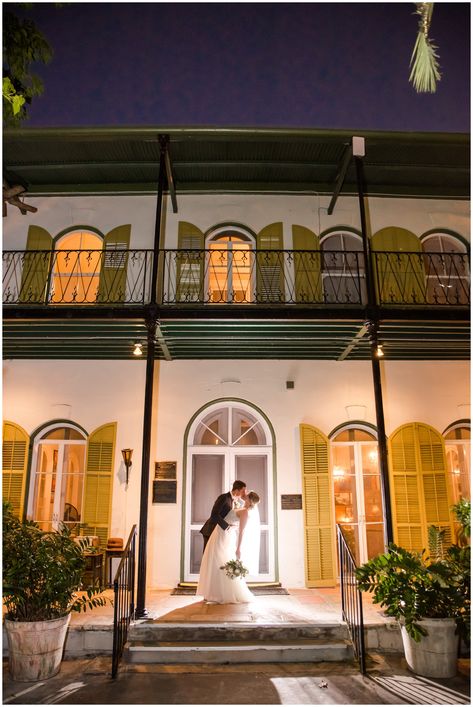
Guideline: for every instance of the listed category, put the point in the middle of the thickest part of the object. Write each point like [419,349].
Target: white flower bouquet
[234,568]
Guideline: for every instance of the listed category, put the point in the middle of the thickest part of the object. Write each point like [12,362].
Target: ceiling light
[138,350]
[379,350]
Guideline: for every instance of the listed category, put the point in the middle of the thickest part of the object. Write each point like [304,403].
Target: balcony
[216,277]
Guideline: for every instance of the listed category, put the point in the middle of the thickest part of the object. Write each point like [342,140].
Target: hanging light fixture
[379,350]
[138,350]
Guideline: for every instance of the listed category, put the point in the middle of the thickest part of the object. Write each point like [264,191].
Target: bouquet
[234,568]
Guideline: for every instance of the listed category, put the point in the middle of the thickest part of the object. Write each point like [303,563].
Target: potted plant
[429,594]
[42,575]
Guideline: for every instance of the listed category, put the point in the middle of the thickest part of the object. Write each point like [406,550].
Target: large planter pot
[35,648]
[435,656]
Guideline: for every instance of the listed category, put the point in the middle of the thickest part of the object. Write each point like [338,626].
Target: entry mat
[257,591]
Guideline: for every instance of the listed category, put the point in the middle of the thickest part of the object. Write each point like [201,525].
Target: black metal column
[151,323]
[372,325]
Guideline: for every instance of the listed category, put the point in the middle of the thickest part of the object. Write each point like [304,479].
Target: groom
[221,507]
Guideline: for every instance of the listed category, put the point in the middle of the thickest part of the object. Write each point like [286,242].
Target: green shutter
[319,523]
[418,484]
[190,263]
[36,266]
[98,485]
[112,284]
[398,278]
[307,274]
[270,266]
[14,463]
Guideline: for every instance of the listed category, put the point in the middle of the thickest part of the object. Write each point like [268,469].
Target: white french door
[211,471]
[56,485]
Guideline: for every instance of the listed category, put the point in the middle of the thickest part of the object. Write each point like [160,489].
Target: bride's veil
[251,541]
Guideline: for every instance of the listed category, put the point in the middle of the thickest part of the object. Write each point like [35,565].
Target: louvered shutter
[399,278]
[419,489]
[307,275]
[14,463]
[36,266]
[270,266]
[99,482]
[112,283]
[190,263]
[319,525]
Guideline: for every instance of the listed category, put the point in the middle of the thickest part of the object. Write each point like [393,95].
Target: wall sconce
[138,350]
[127,454]
[379,350]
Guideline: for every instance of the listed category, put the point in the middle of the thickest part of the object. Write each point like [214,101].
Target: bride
[241,540]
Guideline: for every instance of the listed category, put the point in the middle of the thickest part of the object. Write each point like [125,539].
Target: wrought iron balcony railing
[238,276]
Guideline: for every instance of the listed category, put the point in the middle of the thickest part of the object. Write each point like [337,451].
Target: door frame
[270,450]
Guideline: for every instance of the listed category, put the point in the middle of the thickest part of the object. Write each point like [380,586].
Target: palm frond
[425,70]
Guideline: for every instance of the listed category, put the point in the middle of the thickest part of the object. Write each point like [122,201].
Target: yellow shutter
[190,263]
[307,275]
[270,266]
[399,278]
[98,485]
[319,525]
[36,266]
[14,463]
[418,480]
[112,284]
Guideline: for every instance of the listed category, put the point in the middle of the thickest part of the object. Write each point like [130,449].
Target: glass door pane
[253,470]
[45,486]
[207,483]
[72,484]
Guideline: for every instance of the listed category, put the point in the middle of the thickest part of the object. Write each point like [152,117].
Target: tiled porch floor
[300,606]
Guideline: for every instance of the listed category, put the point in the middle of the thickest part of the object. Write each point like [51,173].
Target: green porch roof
[125,160]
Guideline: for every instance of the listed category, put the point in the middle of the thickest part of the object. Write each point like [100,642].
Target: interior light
[373,456]
[456,470]
[138,350]
[339,471]
[379,350]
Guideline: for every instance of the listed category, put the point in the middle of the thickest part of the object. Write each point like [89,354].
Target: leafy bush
[42,572]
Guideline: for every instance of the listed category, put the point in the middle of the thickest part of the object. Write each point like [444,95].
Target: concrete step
[151,632]
[222,652]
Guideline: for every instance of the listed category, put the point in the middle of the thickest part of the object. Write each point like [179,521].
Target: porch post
[151,324]
[372,325]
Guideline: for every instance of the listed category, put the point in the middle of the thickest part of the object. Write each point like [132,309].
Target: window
[357,491]
[446,267]
[343,270]
[76,271]
[229,268]
[457,449]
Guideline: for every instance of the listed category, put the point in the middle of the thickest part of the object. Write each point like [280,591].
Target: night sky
[315,65]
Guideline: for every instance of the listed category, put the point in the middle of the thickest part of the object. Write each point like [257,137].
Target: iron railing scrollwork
[124,599]
[237,275]
[352,601]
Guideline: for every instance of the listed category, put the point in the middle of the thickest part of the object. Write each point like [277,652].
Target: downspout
[372,323]
[151,323]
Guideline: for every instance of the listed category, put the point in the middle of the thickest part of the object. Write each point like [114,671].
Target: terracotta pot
[35,648]
[435,656]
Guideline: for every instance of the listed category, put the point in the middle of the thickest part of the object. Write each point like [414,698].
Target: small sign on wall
[165,482]
[291,501]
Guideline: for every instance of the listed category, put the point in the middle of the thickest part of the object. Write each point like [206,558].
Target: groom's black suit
[221,507]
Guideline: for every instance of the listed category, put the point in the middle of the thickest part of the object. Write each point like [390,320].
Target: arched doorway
[76,273]
[230,267]
[357,489]
[57,477]
[227,440]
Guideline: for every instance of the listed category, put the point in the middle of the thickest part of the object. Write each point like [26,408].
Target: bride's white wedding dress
[214,585]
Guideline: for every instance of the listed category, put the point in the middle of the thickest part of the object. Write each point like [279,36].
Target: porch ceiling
[234,339]
[125,160]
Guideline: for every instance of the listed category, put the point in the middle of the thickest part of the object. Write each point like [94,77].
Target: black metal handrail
[239,276]
[352,601]
[124,599]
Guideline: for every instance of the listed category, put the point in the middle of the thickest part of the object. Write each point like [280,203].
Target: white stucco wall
[104,391]
[255,211]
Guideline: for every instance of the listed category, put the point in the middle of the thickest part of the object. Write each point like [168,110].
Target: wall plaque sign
[165,482]
[291,501]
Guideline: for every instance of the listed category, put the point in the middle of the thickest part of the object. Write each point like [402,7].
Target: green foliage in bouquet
[234,568]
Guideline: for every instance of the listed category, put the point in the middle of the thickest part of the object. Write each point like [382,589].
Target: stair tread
[302,643]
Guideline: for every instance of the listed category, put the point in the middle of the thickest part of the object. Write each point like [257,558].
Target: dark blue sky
[317,65]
